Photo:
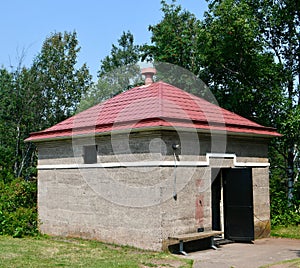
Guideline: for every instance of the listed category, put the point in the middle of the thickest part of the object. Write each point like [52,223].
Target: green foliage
[18,208]
[125,53]
[279,26]
[242,75]
[175,39]
[60,83]
[19,115]
[6,137]
[35,98]
[110,84]
[246,52]
[176,50]
[118,72]
[282,214]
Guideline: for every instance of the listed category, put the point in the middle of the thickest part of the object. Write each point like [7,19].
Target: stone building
[152,163]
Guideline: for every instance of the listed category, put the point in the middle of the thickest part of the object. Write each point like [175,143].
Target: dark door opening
[216,200]
[237,206]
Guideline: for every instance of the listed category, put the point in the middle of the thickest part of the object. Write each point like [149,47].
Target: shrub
[18,208]
[283,213]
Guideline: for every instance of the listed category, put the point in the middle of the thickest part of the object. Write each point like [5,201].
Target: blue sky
[98,23]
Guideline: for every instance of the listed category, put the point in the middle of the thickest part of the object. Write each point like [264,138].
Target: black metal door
[238,204]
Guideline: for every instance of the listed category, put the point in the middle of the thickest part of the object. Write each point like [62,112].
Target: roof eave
[153,128]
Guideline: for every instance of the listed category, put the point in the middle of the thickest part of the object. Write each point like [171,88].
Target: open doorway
[217,200]
[232,203]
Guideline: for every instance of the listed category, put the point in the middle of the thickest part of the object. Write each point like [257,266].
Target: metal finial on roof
[148,73]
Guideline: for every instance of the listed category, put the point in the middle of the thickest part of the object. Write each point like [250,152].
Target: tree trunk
[290,172]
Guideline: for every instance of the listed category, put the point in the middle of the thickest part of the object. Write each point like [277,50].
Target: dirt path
[240,255]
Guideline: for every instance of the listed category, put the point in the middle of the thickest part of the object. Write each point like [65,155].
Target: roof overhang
[208,131]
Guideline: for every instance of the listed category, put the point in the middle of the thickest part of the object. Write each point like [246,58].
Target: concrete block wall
[191,210]
[261,202]
[69,204]
[79,204]
[135,205]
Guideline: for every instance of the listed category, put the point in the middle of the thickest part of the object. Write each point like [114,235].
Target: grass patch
[63,252]
[286,231]
[288,264]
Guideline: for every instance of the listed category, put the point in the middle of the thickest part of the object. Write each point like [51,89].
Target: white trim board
[235,162]
[158,163]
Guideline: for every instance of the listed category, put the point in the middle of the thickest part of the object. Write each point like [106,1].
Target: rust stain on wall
[199,210]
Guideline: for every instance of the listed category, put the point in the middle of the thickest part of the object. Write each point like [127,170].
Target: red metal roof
[155,105]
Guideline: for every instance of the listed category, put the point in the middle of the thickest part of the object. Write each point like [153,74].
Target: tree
[35,98]
[175,42]
[225,51]
[256,44]
[175,39]
[126,53]
[119,71]
[32,99]
[247,52]
[58,79]
[279,22]
[6,136]
[19,104]
[241,74]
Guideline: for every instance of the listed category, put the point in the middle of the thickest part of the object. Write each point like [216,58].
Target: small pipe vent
[148,73]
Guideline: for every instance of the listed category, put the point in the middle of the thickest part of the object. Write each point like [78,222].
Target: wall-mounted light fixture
[175,146]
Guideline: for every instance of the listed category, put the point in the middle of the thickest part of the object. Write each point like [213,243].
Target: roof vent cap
[148,73]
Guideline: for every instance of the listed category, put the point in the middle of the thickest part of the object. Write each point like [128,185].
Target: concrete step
[219,241]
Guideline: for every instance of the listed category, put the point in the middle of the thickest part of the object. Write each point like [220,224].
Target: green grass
[286,231]
[288,264]
[63,252]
